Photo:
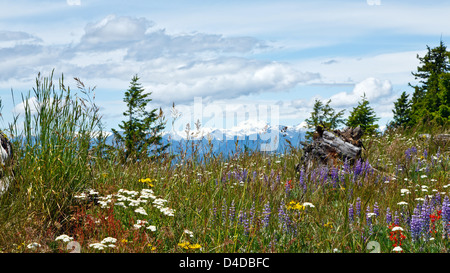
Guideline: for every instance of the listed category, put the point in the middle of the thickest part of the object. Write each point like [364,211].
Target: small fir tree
[364,116]
[402,111]
[141,131]
[324,115]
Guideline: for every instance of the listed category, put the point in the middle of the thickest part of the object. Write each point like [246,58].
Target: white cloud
[32,104]
[114,31]
[224,79]
[374,89]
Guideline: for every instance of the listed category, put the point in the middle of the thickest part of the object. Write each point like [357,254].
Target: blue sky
[284,53]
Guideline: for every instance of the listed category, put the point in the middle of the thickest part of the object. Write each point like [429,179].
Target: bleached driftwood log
[6,156]
[329,148]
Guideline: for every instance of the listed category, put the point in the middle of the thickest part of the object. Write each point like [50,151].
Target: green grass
[252,202]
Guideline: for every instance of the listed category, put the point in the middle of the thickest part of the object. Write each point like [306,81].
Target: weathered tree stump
[331,148]
[6,157]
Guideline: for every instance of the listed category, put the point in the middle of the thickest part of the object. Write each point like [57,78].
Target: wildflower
[396,235]
[388,215]
[98,246]
[350,213]
[188,232]
[195,246]
[151,228]
[65,238]
[109,240]
[433,218]
[167,211]
[404,191]
[416,224]
[295,206]
[376,209]
[371,214]
[397,249]
[140,223]
[120,204]
[266,214]
[397,228]
[184,245]
[140,210]
[358,207]
[402,203]
[308,204]
[147,181]
[33,245]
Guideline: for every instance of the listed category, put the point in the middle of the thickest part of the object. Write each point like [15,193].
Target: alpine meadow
[237,129]
[67,185]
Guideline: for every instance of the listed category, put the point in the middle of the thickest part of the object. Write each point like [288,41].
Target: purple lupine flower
[425,218]
[388,216]
[351,215]
[376,210]
[266,213]
[358,207]
[425,153]
[283,218]
[302,180]
[446,215]
[231,213]
[368,215]
[396,219]
[366,167]
[416,224]
[446,209]
[334,176]
[357,169]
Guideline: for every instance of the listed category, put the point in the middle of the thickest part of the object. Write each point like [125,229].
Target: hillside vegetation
[65,192]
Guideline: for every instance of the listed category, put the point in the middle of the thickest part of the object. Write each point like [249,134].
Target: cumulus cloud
[374,89]
[224,79]
[174,67]
[114,32]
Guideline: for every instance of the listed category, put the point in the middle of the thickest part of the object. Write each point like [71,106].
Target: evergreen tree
[430,97]
[402,111]
[364,116]
[141,130]
[324,115]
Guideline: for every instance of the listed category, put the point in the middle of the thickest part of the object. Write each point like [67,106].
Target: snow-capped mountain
[248,135]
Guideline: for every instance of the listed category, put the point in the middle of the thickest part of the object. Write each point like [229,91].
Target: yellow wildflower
[195,246]
[148,181]
[187,245]
[295,205]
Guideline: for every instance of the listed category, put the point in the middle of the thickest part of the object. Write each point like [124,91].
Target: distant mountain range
[248,135]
